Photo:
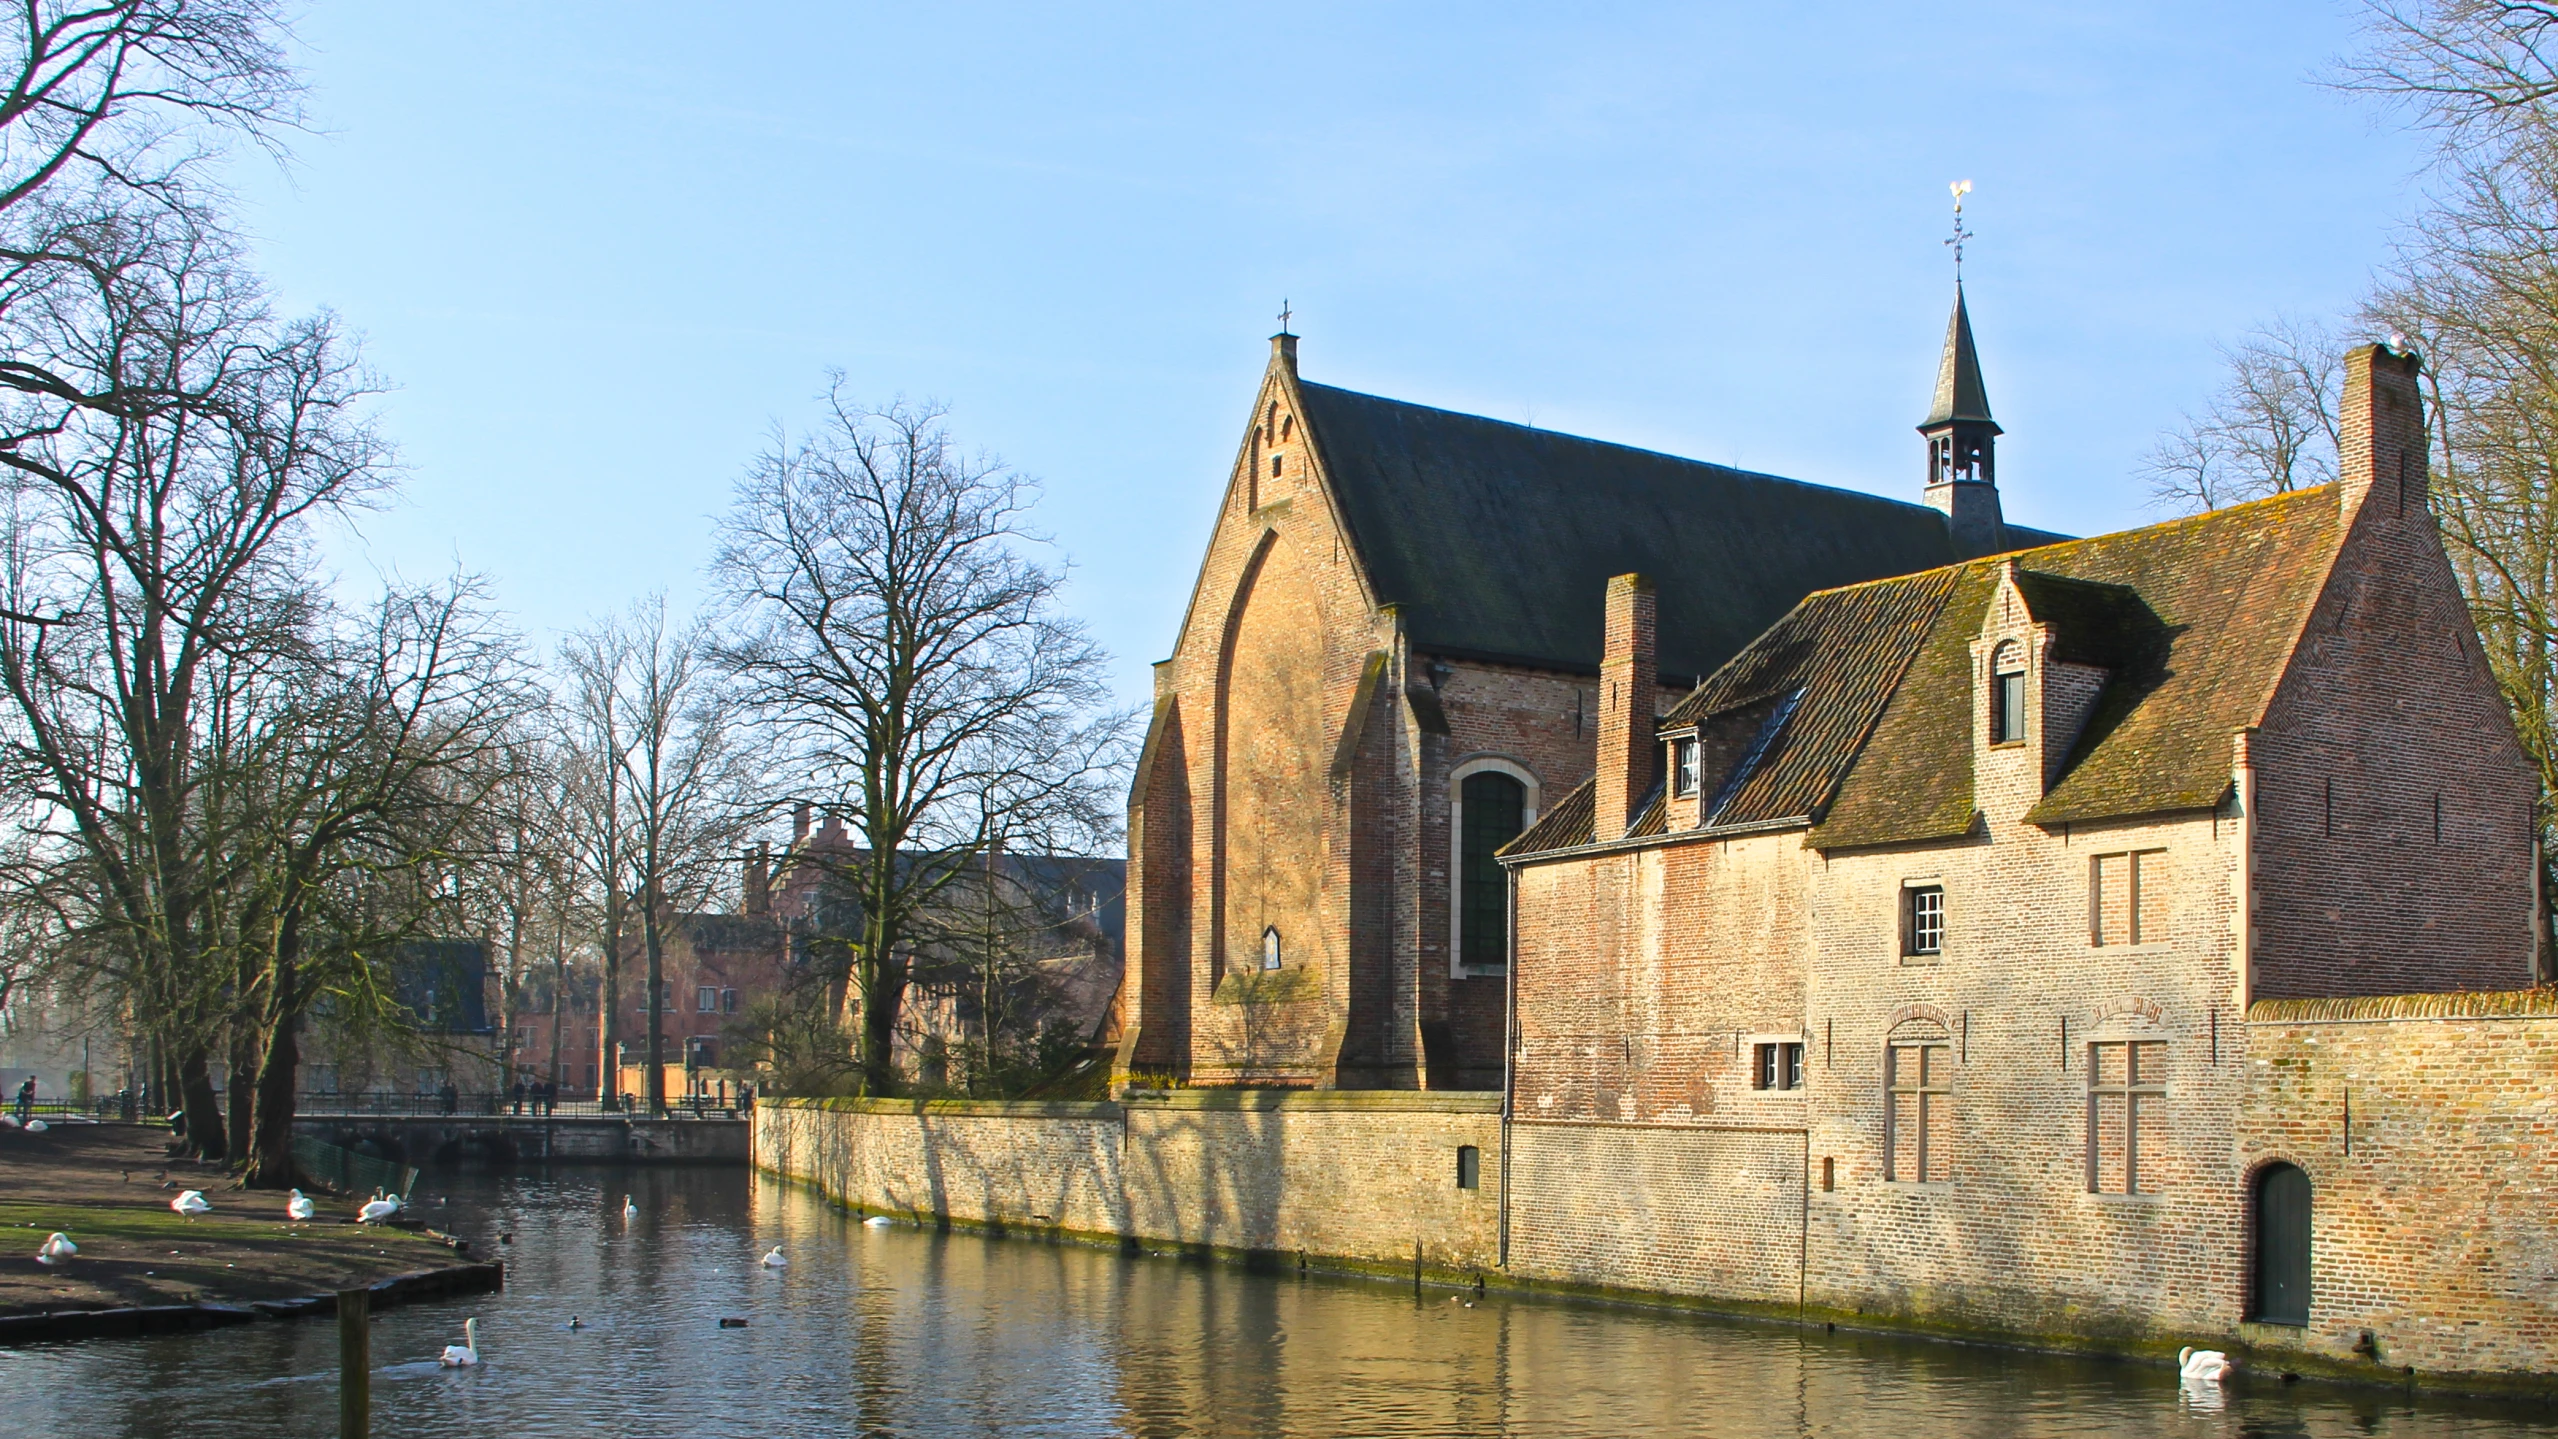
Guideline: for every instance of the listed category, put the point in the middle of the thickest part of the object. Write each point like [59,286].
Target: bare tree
[915,668]
[154,574]
[2268,430]
[661,725]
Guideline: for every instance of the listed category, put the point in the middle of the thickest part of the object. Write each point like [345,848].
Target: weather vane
[1960,188]
[1284,313]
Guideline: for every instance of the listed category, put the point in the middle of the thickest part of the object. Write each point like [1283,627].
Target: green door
[2282,1246]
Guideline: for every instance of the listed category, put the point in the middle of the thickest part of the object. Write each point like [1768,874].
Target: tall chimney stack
[799,825]
[1629,750]
[2380,432]
[759,881]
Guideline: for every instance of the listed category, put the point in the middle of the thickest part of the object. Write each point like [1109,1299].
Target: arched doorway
[2282,1246]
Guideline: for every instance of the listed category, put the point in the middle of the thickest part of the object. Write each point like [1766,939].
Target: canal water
[906,1332]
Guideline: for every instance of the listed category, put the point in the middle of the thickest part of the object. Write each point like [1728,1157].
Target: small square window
[1683,767]
[1779,1066]
[1469,1167]
[1275,462]
[1923,919]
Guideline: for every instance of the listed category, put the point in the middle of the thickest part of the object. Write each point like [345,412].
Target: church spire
[1960,395]
[1962,444]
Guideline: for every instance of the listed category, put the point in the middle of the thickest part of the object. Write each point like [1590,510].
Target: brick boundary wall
[2428,1126]
[1333,1179]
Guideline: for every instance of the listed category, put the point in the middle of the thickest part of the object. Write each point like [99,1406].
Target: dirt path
[103,1185]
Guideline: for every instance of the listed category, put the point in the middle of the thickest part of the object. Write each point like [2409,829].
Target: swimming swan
[377,1210]
[299,1209]
[2210,1366]
[466,1353]
[191,1203]
[878,1221]
[37,1126]
[775,1260]
[57,1249]
[630,1211]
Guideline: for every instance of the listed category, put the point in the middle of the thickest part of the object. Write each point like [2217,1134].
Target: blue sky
[601,250]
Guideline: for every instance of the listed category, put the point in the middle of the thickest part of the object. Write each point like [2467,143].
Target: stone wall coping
[1407,1101]
[960,1108]
[2472,1004]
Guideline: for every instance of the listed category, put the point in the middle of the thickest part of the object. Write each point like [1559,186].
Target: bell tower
[1962,445]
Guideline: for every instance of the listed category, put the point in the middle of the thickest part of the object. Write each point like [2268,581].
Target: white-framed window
[1270,952]
[728,1001]
[1777,1065]
[706,999]
[1683,762]
[1491,801]
[1922,920]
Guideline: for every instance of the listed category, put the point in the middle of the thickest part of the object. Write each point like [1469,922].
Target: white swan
[191,1203]
[2207,1366]
[11,1120]
[376,1210]
[878,1221]
[630,1211]
[466,1353]
[299,1209]
[37,1126]
[773,1260]
[57,1249]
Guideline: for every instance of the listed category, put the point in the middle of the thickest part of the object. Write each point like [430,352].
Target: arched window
[1493,806]
[1918,1105]
[2007,694]
[2282,1246]
[1270,947]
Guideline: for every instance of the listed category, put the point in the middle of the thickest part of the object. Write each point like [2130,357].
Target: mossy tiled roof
[2193,620]
[1496,540]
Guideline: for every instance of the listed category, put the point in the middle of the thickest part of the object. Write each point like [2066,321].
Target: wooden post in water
[355,1363]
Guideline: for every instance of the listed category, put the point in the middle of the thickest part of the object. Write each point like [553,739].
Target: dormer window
[1683,771]
[1270,947]
[2007,694]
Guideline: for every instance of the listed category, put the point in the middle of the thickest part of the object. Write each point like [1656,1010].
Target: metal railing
[389,1103]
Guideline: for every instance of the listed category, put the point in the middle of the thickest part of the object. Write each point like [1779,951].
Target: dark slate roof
[1496,539]
[1960,395]
[2194,620]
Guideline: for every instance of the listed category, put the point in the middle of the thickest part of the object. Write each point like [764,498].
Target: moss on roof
[1496,540]
[2193,619]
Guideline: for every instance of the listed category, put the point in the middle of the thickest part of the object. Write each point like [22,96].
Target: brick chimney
[798,825]
[759,881]
[2380,432]
[1629,750]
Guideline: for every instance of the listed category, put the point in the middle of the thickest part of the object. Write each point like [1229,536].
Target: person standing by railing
[26,1098]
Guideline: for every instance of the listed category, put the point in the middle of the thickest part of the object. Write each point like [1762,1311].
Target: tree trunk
[609,1060]
[243,1084]
[656,940]
[882,986]
[271,1141]
[203,1107]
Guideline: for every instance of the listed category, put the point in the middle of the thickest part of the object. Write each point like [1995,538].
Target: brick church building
[1390,668]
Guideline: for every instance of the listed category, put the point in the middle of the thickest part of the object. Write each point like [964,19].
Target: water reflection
[899,1332]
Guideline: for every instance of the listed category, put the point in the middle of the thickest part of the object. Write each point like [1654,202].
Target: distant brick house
[1906,967]
[1390,666]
